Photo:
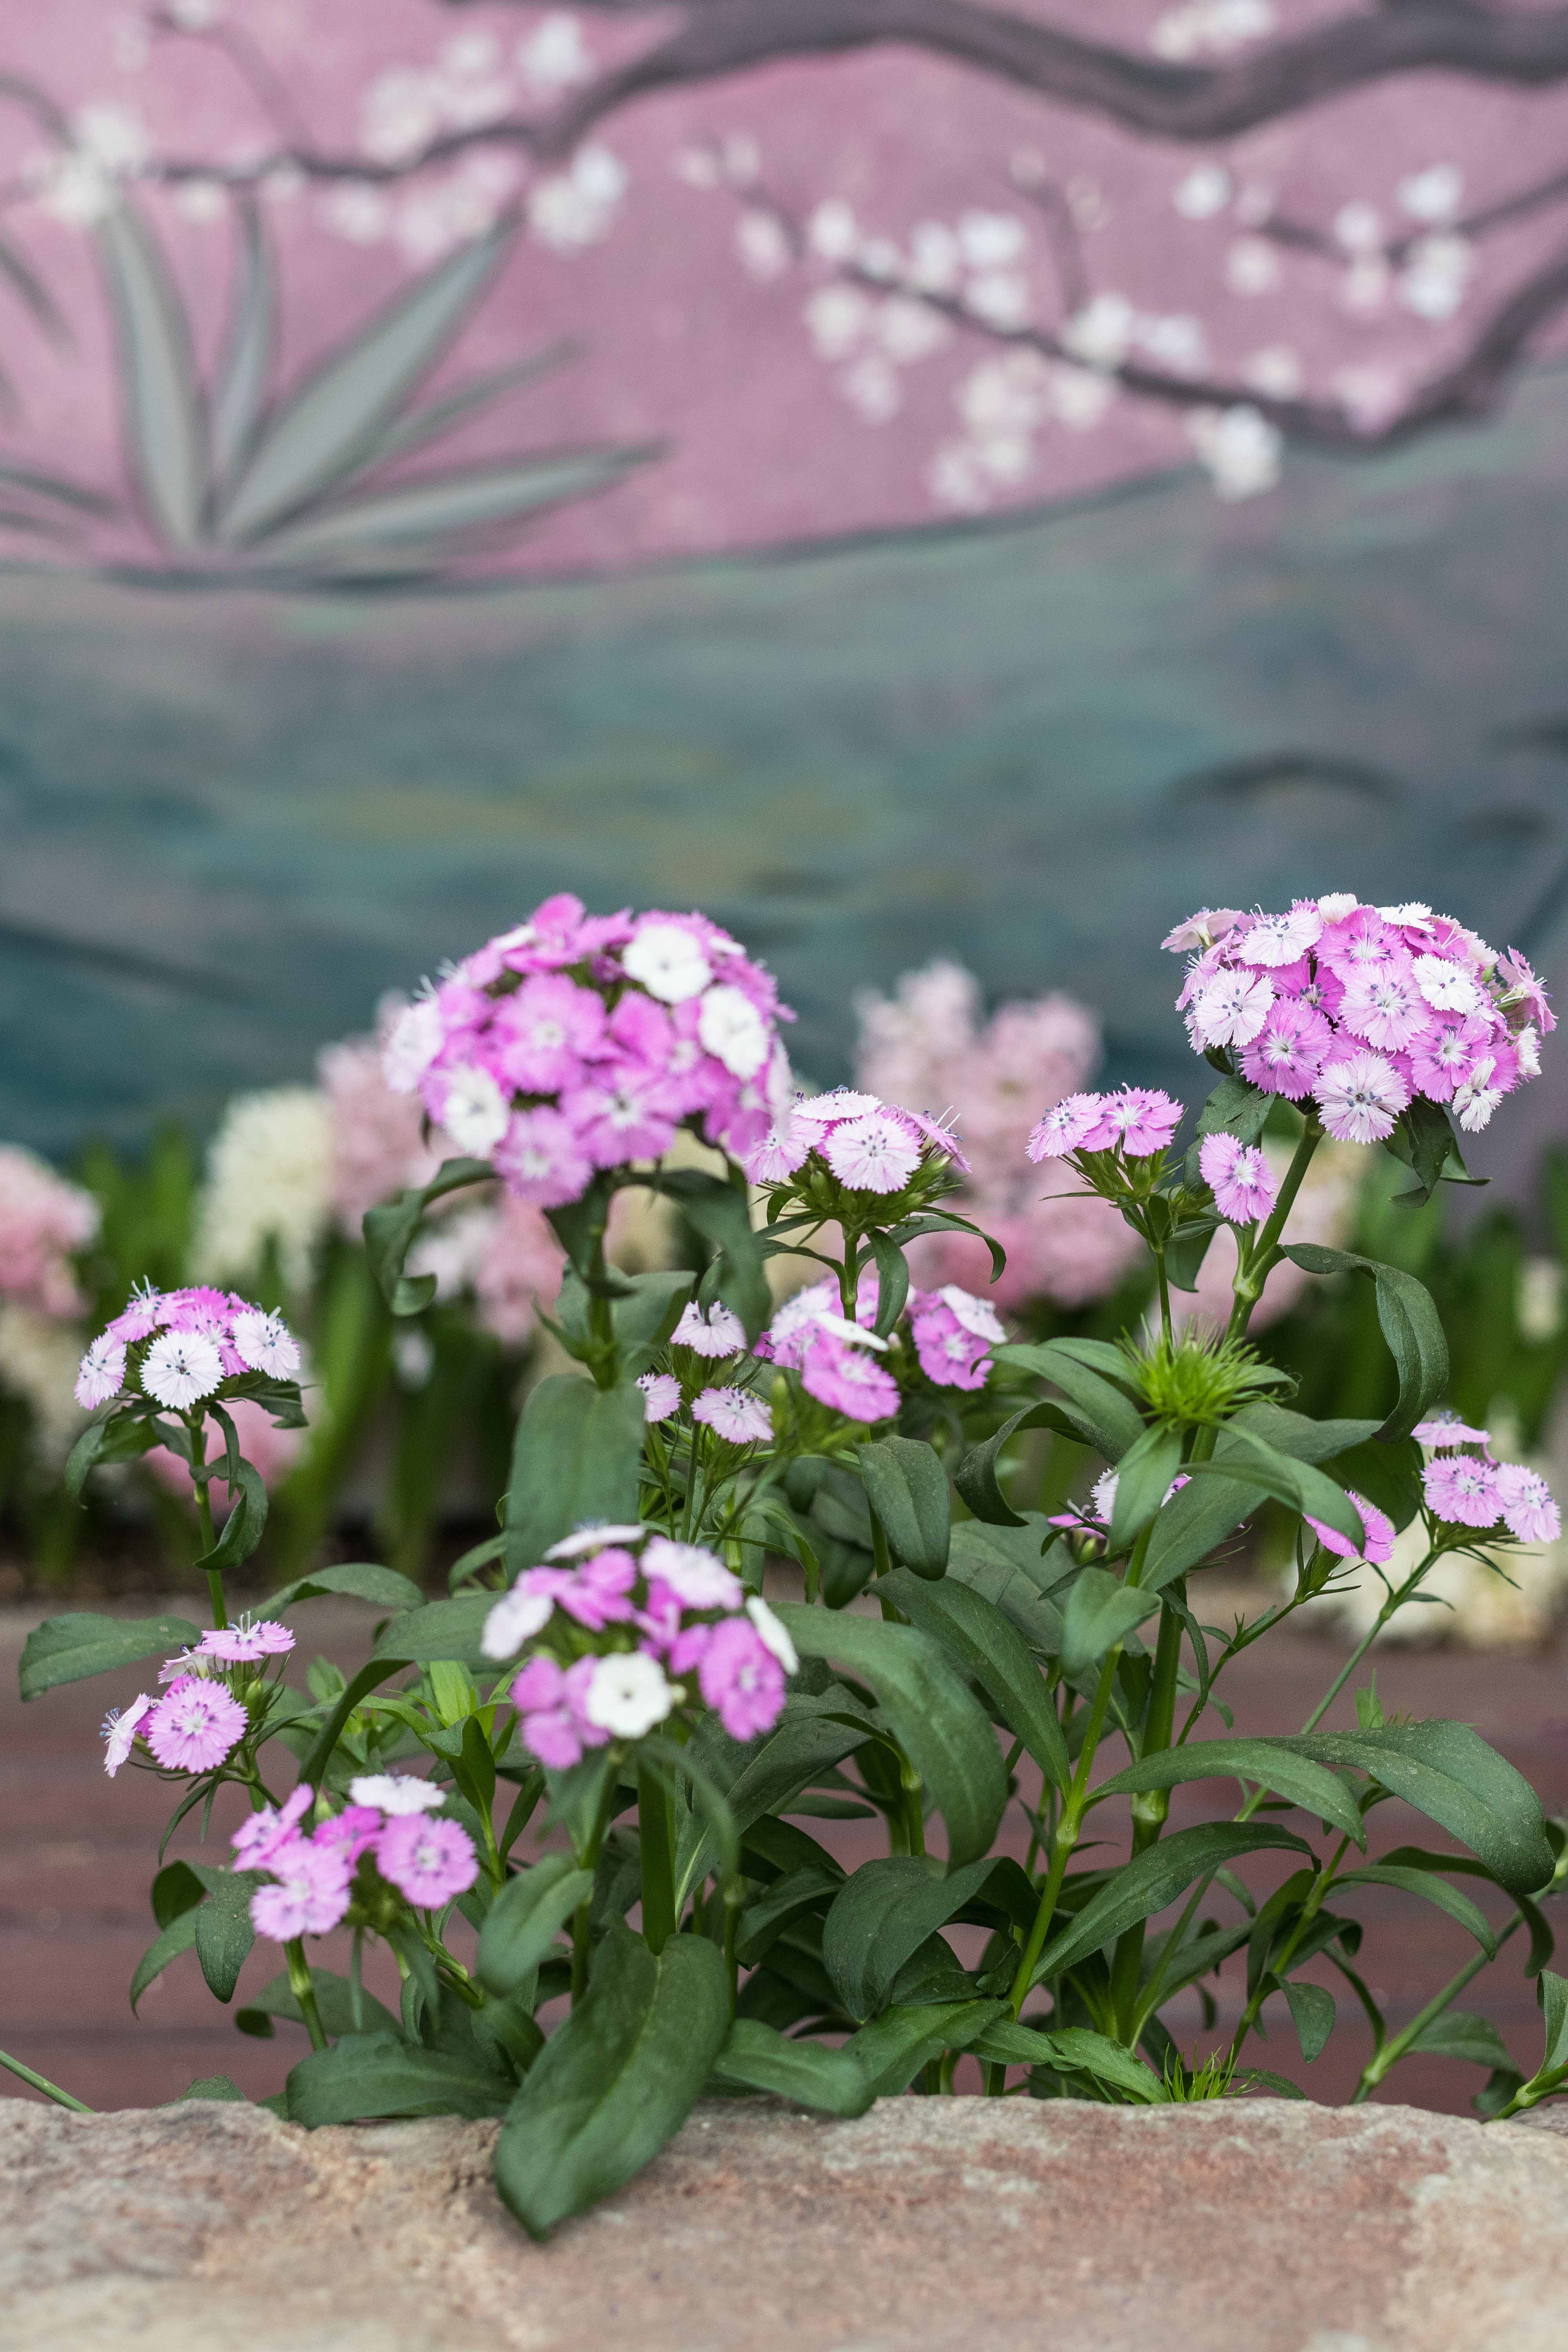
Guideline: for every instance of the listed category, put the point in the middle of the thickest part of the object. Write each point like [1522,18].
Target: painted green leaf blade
[881,1915]
[617,2080]
[331,421]
[893,2048]
[992,1653]
[165,428]
[466,401]
[575,1461]
[177,1936]
[525,1919]
[369,2074]
[443,505]
[351,1579]
[241,389]
[1154,1879]
[71,1648]
[1448,1771]
[1274,1763]
[936,1722]
[907,1487]
[758,2057]
[1431,1889]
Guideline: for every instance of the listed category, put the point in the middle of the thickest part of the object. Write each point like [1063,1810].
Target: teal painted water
[230,821]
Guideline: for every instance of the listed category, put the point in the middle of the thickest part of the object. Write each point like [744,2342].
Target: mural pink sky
[847,291]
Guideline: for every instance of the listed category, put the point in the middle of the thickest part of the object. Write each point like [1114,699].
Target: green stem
[588,1860]
[1066,1836]
[1309,1909]
[1164,1293]
[304,1992]
[42,2083]
[601,1323]
[209,1533]
[1150,1806]
[655,1835]
[1253,1270]
[1395,1600]
[356,1981]
[1381,2061]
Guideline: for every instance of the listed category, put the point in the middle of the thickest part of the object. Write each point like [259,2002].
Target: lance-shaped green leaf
[1073,2049]
[1448,1771]
[977,1475]
[1100,1612]
[241,393]
[1143,1478]
[223,1934]
[943,1733]
[525,1918]
[812,1737]
[1006,1567]
[576,1461]
[1272,1763]
[353,1579]
[367,2075]
[71,1648]
[1431,1889]
[893,2048]
[1248,1462]
[1424,1140]
[375,1670]
[1100,1413]
[789,1898]
[1235,1108]
[389,1232]
[892,1280]
[880,1918]
[758,2057]
[616,2080]
[177,1936]
[334,2006]
[643,1311]
[1460,2034]
[1151,1880]
[447,1629]
[992,1653]
[1312,2013]
[1409,1323]
[907,1487]
[417,515]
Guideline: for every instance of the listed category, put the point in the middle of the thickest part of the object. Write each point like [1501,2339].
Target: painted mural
[911,474]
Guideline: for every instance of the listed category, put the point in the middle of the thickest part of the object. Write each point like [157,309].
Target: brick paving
[76,1859]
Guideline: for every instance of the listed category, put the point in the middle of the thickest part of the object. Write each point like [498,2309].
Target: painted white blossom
[1205,191]
[1252,265]
[1240,448]
[554,57]
[1434,194]
[577,207]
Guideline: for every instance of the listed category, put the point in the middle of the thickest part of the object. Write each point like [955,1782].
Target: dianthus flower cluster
[866,1145]
[179,1347]
[389,1818]
[43,1220]
[951,1332]
[202,1717]
[1470,1489]
[618,1616]
[579,1042]
[1363,1009]
[1137,1121]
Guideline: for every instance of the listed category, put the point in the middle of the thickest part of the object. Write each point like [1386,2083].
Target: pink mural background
[866,288]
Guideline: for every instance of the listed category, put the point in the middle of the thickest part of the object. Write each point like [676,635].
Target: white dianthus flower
[268,1179]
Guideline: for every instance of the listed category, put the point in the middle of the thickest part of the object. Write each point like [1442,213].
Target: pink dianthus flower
[1360,1097]
[195,1726]
[840,1374]
[734,1415]
[1065,1126]
[429,1862]
[876,1152]
[120,1725]
[1527,1508]
[1239,1176]
[1141,1119]
[1288,1051]
[271,1830]
[246,1641]
[553,1725]
[542,1160]
[660,1395]
[741,1679]
[311,1893]
[1377,1545]
[1462,1490]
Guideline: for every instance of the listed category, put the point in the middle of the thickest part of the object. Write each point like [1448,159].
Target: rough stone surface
[1263,2226]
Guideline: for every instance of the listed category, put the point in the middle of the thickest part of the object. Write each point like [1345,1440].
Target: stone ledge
[930,2225]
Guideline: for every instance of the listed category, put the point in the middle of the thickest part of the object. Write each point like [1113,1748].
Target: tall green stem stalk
[42,2083]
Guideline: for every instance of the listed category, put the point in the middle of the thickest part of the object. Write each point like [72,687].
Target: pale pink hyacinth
[44,1220]
[429,1862]
[1239,1176]
[1462,1489]
[575,1043]
[733,1414]
[195,1726]
[1364,1008]
[378,1140]
[660,1395]
[1377,1544]
[121,1727]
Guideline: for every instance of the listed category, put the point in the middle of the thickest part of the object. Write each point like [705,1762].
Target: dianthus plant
[587,1801]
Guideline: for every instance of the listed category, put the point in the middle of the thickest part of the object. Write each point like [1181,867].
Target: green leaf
[617,2079]
[1143,1476]
[810,1888]
[334,2004]
[1460,2034]
[1312,2011]
[332,421]
[243,1528]
[177,1938]
[166,429]
[525,1919]
[1275,1764]
[907,1487]
[1145,1885]
[367,2075]
[1432,1889]
[808,1741]
[1100,1612]
[176,1889]
[991,1653]
[643,1311]
[937,1724]
[224,1932]
[722,1214]
[757,2057]
[975,1477]
[1102,1416]
[212,2087]
[1388,1475]
[1409,1322]
[1073,2049]
[1424,1139]
[68,1649]
[1006,1567]
[376,1670]
[440,1629]
[358,1579]
[1235,1108]
[1299,1436]
[892,1280]
[389,1230]
[576,1461]
[439,417]
[1448,1771]
[1248,1461]
[892,2049]
[881,1915]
